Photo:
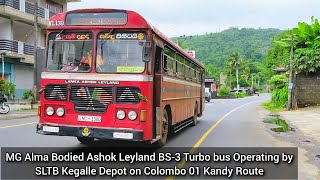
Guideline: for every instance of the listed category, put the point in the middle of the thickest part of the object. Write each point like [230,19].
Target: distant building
[212,85]
[280,69]
[191,53]
[17,37]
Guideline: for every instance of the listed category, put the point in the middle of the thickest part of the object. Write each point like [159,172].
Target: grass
[284,127]
[271,107]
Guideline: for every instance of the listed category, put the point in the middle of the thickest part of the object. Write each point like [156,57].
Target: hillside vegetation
[214,49]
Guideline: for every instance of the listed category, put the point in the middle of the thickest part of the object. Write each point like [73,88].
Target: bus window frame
[69,31]
[145,71]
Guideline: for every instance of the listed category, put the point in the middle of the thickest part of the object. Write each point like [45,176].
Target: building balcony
[22,10]
[17,49]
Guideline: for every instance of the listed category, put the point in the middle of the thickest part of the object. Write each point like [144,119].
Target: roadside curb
[18,114]
[16,117]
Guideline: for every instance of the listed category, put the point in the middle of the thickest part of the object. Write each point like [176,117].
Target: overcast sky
[190,17]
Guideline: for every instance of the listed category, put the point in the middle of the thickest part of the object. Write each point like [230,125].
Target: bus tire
[85,140]
[195,116]
[165,129]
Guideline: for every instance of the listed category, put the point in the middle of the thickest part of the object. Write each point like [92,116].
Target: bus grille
[91,99]
[56,92]
[128,95]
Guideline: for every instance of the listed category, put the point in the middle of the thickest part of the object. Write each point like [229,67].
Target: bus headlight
[121,114]
[50,111]
[60,111]
[132,115]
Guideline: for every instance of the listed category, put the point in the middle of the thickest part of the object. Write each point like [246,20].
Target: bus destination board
[96,19]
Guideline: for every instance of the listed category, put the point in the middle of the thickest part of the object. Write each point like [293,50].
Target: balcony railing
[25,6]
[29,8]
[28,49]
[7,45]
[18,47]
[11,3]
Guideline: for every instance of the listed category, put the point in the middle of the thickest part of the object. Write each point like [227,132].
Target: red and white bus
[111,75]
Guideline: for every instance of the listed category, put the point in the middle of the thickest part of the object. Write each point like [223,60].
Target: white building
[17,37]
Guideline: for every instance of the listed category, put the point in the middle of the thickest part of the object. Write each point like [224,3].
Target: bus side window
[165,64]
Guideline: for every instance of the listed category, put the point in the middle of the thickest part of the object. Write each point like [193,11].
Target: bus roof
[135,20]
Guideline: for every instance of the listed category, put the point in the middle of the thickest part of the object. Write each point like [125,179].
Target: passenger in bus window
[84,64]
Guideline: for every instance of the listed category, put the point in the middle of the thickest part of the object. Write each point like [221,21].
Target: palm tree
[235,62]
[246,73]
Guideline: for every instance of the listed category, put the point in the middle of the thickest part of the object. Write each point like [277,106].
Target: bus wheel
[195,116]
[85,140]
[164,129]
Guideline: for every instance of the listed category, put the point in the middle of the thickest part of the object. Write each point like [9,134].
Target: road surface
[225,123]
[237,124]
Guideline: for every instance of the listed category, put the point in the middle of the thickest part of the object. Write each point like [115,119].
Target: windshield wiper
[101,48]
[54,42]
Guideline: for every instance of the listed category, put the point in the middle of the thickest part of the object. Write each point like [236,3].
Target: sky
[195,17]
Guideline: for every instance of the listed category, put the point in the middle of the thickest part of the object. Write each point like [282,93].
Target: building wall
[5,29]
[307,89]
[23,32]
[23,78]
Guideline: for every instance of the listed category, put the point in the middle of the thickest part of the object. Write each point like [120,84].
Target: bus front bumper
[93,132]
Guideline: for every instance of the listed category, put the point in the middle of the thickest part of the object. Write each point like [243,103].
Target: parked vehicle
[4,108]
[208,96]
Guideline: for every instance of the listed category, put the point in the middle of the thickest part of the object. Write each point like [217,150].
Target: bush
[278,81]
[8,89]
[224,91]
[239,95]
[28,95]
[279,97]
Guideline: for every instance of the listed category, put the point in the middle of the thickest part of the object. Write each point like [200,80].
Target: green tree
[235,61]
[29,95]
[246,73]
[7,88]
[306,40]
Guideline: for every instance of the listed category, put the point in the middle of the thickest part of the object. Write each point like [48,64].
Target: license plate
[89,118]
[50,129]
[123,135]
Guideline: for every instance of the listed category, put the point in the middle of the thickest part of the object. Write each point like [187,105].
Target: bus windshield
[120,53]
[69,52]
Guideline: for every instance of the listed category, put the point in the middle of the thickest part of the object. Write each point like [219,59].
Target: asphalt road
[236,124]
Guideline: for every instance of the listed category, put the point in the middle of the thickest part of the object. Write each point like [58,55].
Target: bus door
[157,90]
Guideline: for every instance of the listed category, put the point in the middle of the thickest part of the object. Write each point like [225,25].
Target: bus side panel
[182,98]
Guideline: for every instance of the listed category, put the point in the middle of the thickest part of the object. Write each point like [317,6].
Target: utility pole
[35,45]
[289,105]
[230,80]
[252,81]
[237,74]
